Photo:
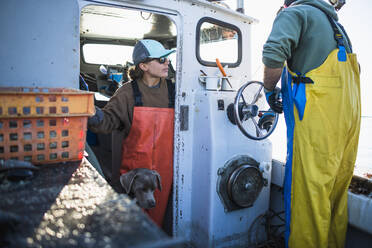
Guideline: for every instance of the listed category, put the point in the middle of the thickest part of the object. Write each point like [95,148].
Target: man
[144,110]
[321,103]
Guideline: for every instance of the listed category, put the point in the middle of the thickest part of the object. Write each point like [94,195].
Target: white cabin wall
[188,163]
[38,49]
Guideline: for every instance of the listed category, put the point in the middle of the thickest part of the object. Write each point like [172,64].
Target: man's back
[302,35]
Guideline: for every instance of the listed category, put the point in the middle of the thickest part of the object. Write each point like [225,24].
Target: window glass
[108,34]
[107,54]
[217,41]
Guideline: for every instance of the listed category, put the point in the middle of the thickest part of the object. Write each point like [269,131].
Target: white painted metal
[278,172]
[41,46]
[360,212]
[216,141]
[240,5]
[211,139]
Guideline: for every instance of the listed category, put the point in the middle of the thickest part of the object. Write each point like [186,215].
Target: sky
[354,16]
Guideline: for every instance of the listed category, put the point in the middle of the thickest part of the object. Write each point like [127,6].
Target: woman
[143,110]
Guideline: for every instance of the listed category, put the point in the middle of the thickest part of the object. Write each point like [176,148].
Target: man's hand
[274,99]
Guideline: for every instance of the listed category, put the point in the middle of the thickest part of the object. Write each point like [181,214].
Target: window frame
[222,24]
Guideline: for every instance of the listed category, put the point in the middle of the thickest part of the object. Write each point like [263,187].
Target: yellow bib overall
[321,151]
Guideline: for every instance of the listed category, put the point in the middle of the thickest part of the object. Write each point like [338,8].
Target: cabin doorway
[107,38]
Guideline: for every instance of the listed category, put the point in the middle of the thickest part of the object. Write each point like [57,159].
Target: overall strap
[339,39]
[137,94]
[171,93]
[347,37]
[337,34]
[341,55]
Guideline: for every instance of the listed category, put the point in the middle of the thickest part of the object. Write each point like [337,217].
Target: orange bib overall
[150,145]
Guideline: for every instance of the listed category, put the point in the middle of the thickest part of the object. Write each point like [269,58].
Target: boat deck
[71,205]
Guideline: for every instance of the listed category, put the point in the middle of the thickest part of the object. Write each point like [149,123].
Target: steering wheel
[248,115]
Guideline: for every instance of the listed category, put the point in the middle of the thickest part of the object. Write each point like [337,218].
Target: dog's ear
[158,179]
[127,180]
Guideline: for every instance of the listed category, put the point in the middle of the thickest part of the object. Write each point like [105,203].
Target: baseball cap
[149,49]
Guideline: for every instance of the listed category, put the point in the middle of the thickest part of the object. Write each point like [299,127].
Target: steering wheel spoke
[243,112]
[244,102]
[256,96]
[258,129]
[245,117]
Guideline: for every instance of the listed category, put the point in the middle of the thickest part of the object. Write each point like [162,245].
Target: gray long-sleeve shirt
[301,35]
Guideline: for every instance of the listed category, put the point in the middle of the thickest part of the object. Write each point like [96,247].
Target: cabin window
[108,34]
[216,39]
[107,54]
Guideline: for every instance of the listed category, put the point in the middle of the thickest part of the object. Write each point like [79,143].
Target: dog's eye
[147,190]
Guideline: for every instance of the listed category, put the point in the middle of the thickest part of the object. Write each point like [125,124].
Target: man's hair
[337,4]
[288,2]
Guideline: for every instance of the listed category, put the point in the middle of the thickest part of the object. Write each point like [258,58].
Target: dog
[140,183]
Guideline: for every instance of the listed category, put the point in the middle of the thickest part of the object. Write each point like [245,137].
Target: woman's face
[156,69]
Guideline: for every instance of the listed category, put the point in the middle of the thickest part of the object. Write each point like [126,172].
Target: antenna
[240,6]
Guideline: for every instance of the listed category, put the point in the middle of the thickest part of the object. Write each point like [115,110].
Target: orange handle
[220,67]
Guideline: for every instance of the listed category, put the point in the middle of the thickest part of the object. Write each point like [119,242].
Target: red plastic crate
[47,137]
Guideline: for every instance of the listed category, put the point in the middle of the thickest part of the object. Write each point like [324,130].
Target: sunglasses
[161,60]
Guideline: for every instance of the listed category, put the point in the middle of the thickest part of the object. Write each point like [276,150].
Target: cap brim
[164,53]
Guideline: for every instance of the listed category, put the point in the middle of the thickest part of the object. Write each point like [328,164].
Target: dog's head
[141,183]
